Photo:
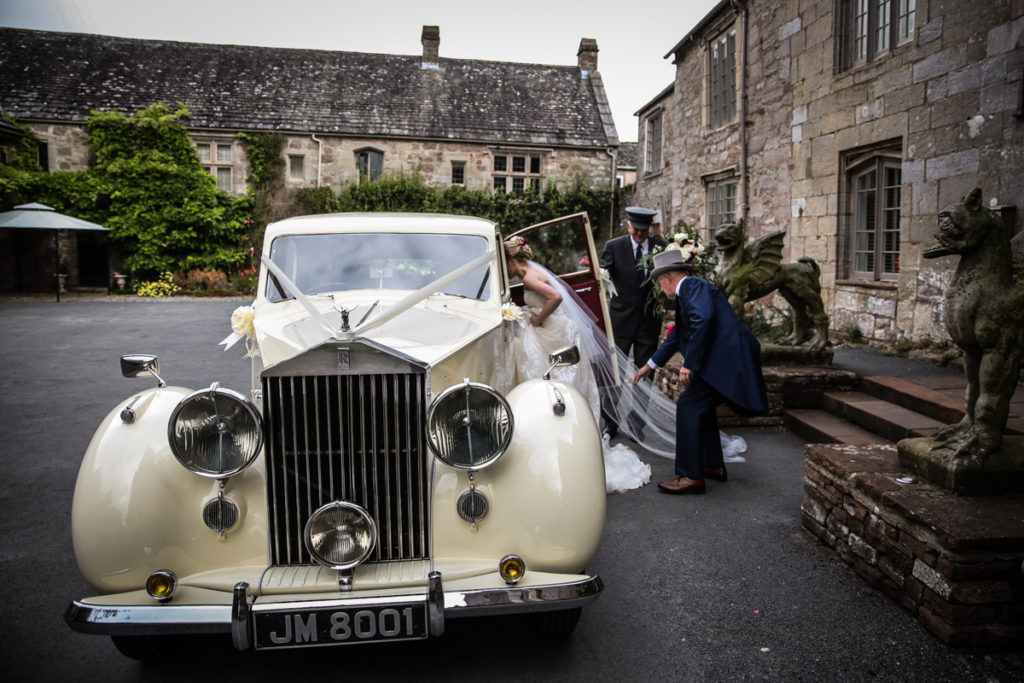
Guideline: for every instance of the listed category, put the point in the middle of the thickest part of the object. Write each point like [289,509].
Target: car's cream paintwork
[284,329]
[137,510]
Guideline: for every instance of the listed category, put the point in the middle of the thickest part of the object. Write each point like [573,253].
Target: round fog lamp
[340,535]
[511,569]
[161,584]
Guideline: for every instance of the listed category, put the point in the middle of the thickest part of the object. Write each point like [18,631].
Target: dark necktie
[639,252]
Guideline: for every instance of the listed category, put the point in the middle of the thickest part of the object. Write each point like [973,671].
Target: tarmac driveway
[724,586]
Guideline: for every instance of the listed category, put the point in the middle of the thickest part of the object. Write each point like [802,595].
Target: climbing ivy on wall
[146,184]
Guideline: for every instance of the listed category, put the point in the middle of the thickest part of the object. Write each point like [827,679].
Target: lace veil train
[653,425]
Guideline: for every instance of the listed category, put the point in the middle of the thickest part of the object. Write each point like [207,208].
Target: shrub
[205,280]
[164,286]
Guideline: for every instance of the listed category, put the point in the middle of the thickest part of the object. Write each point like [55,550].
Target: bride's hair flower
[511,312]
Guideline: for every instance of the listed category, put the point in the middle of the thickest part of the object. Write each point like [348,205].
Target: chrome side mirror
[567,355]
[141,364]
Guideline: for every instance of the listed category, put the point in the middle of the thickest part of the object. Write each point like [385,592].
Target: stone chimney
[431,40]
[587,55]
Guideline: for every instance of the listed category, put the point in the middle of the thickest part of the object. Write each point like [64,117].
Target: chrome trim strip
[169,619]
[513,599]
[130,620]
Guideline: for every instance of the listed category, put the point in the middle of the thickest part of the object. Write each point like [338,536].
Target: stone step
[818,426]
[945,405]
[940,397]
[888,420]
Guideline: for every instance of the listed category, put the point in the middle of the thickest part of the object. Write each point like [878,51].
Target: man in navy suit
[721,364]
[635,319]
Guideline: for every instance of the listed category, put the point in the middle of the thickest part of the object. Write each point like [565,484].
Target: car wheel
[139,647]
[556,625]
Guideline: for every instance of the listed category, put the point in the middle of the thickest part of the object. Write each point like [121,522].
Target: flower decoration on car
[242,327]
[511,312]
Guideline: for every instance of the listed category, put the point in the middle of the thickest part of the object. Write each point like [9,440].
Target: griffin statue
[750,271]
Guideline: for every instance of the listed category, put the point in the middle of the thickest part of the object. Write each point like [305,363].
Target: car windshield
[402,261]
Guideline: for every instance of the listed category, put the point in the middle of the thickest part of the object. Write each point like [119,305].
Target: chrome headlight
[469,426]
[215,432]
[340,535]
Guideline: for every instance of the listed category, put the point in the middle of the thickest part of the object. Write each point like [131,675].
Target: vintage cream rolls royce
[385,472]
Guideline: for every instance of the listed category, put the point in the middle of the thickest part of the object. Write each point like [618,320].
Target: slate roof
[627,155]
[62,77]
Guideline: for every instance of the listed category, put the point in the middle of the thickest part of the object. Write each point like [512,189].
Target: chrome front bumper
[237,618]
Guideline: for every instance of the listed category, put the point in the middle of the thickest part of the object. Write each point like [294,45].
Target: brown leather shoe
[716,473]
[681,485]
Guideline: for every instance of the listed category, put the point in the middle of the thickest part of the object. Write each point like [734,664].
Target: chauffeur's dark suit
[635,320]
[725,359]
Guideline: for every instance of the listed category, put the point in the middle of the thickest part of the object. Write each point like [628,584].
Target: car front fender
[546,494]
[136,509]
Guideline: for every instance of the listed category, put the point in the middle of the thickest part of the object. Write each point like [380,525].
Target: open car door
[565,246]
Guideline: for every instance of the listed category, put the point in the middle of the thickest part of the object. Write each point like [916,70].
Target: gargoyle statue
[749,271]
[985,318]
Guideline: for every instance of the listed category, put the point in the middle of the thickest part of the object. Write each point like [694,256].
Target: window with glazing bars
[868,29]
[516,172]
[722,81]
[876,221]
[721,204]
[652,143]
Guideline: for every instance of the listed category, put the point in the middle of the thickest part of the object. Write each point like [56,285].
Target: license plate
[334,625]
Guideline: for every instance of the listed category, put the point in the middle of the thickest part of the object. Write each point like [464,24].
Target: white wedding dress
[623,468]
[605,377]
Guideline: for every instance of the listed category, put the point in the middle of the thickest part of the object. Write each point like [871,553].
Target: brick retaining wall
[954,562]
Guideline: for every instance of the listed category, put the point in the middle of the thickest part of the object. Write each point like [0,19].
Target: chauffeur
[635,319]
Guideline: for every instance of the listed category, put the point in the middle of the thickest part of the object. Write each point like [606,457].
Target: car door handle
[584,290]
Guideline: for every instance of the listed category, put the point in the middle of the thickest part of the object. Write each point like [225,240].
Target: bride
[554,318]
[557,317]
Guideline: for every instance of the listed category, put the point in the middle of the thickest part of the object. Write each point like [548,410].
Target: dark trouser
[698,444]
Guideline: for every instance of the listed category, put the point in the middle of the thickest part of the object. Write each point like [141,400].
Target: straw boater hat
[670,259]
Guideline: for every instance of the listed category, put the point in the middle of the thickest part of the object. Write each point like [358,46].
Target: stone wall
[336,157]
[945,100]
[433,161]
[947,103]
[955,563]
[693,152]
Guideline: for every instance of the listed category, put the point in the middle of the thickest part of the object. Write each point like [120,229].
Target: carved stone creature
[985,318]
[749,271]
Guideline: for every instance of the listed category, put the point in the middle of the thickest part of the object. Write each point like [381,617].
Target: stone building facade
[345,116]
[849,124]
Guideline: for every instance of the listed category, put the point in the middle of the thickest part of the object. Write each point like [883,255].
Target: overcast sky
[632,35]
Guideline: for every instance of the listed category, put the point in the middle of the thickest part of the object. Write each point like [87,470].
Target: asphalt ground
[720,587]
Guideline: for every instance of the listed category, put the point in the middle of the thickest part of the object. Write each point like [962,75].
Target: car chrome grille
[357,438]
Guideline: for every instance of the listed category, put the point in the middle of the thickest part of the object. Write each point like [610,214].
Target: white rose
[511,312]
[242,321]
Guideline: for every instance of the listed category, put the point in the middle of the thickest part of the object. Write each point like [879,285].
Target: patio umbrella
[37,216]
